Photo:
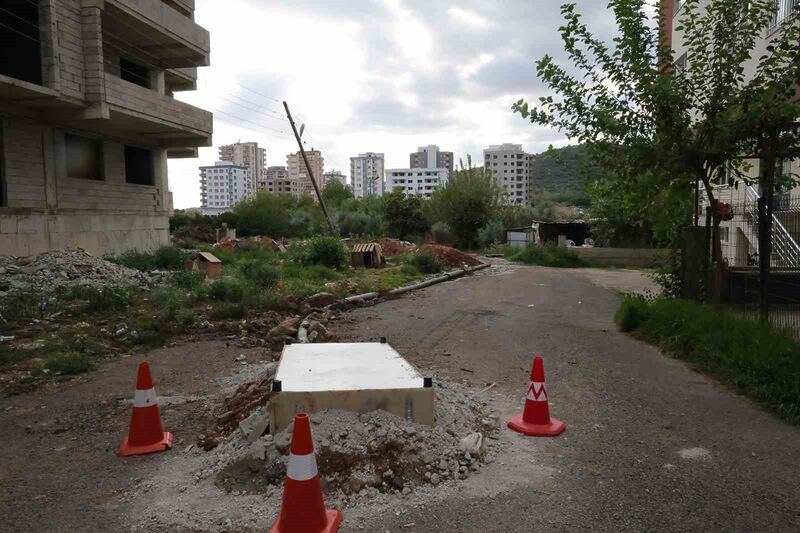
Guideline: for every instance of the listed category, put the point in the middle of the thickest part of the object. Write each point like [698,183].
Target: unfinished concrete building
[88,120]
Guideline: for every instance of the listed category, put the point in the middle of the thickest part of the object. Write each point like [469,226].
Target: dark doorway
[84,157]
[20,40]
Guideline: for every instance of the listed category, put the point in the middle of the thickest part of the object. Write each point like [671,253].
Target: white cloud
[371,75]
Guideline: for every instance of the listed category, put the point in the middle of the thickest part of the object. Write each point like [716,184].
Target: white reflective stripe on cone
[144,398]
[302,467]
[536,392]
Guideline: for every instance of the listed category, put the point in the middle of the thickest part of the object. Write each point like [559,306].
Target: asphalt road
[650,444]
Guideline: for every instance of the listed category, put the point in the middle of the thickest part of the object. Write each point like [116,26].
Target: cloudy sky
[373,75]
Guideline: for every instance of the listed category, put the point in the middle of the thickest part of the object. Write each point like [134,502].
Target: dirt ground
[650,444]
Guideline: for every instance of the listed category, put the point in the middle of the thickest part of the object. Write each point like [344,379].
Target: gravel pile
[63,268]
[362,456]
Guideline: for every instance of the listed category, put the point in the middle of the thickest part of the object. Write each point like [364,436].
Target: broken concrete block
[472,444]
[320,300]
[254,425]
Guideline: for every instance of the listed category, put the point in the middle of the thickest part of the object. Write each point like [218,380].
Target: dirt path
[650,445]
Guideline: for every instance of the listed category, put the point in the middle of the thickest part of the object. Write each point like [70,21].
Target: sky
[374,76]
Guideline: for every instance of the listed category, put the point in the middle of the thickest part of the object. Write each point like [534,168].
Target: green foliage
[359,223]
[562,172]
[404,215]
[322,250]
[442,233]
[228,311]
[101,299]
[551,256]
[227,289]
[278,215]
[188,280]
[335,193]
[753,357]
[426,263]
[667,274]
[164,258]
[68,363]
[468,201]
[261,274]
[491,233]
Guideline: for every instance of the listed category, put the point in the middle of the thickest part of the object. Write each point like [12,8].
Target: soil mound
[452,258]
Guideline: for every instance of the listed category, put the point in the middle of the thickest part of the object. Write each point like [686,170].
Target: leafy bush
[132,259]
[404,215]
[359,223]
[667,274]
[164,258]
[409,270]
[101,299]
[226,289]
[491,233]
[188,280]
[442,233]
[427,263]
[228,311]
[262,275]
[552,256]
[322,250]
[753,357]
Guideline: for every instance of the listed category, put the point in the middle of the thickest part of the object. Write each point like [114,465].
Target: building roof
[366,247]
[207,256]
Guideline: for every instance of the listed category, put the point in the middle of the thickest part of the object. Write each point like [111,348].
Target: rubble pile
[362,456]
[65,268]
[451,257]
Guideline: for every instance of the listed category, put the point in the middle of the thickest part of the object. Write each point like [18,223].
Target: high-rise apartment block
[431,157]
[512,168]
[416,181]
[277,181]
[224,185]
[366,174]
[335,175]
[89,120]
[298,173]
[248,155]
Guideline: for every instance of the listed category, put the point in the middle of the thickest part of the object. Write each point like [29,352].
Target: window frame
[152,165]
[101,161]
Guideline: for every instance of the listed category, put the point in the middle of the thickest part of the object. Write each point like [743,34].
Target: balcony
[159,31]
[172,123]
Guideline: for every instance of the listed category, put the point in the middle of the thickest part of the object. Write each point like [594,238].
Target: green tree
[404,215]
[658,127]
[468,202]
[335,193]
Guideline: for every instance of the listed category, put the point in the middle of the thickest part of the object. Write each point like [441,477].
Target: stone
[435,479]
[254,425]
[320,300]
[472,443]
[287,328]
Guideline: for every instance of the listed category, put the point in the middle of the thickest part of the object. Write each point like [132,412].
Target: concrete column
[93,68]
[48,30]
[157,82]
[49,163]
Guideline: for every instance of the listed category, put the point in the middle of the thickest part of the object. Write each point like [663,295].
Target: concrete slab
[358,377]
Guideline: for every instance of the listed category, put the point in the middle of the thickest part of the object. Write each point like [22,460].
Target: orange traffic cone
[303,510]
[146,434]
[535,420]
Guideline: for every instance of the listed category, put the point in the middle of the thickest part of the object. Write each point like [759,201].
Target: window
[19,39]
[139,166]
[3,193]
[678,4]
[724,234]
[134,73]
[785,9]
[681,64]
[84,157]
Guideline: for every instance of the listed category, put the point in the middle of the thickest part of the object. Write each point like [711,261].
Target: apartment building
[366,174]
[88,121]
[739,236]
[431,157]
[277,181]
[416,181]
[224,185]
[298,173]
[335,175]
[511,167]
[252,157]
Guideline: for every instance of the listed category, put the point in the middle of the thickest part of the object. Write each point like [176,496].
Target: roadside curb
[302,331]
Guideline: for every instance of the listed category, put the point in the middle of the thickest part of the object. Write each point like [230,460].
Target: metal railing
[783,244]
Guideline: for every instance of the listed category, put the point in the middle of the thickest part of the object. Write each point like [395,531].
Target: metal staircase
[785,250]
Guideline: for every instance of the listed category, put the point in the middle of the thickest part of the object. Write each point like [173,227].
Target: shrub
[409,270]
[490,233]
[133,259]
[323,250]
[68,363]
[228,311]
[101,299]
[164,258]
[551,256]
[170,258]
[188,280]
[262,275]
[358,223]
[753,357]
[427,263]
[226,289]
[442,234]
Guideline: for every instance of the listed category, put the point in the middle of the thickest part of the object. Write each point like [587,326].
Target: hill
[561,172]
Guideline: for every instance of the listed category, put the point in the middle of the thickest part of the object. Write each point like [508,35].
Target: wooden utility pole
[308,168]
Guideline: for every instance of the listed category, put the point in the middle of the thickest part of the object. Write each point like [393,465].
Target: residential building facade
[511,167]
[277,181]
[431,157]
[739,235]
[88,121]
[252,157]
[366,174]
[416,181]
[335,175]
[224,185]
[298,173]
